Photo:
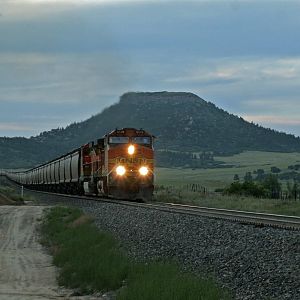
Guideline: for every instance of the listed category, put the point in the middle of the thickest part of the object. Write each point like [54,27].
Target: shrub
[248,188]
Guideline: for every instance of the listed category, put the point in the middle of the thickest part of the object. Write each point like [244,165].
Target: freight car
[120,165]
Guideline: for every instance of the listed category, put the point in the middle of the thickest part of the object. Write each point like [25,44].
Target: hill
[181,122]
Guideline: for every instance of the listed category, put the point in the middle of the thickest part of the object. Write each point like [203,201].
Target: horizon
[64,61]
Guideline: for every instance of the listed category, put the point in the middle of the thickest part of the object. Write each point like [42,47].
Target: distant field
[220,177]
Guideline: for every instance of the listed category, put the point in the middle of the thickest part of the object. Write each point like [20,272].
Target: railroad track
[245,217]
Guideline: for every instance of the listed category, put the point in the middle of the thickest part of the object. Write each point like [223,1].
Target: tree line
[267,186]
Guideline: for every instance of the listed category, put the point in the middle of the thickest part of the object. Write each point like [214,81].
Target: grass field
[220,177]
[92,261]
[216,200]
[177,179]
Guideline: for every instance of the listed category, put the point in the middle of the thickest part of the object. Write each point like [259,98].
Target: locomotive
[119,165]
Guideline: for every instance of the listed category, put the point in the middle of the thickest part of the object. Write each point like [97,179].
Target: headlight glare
[144,171]
[131,149]
[120,170]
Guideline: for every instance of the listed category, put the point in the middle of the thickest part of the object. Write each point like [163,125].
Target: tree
[272,185]
[289,189]
[275,170]
[236,177]
[248,177]
[295,190]
[248,188]
[260,174]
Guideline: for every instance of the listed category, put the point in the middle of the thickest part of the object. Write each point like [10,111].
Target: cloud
[71,60]
[220,75]
[69,1]
[180,28]
[272,119]
[61,78]
[289,124]
[284,104]
[242,68]
[14,127]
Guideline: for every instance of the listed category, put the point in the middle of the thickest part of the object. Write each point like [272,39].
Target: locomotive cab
[129,165]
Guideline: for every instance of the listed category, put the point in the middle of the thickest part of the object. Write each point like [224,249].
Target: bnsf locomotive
[119,165]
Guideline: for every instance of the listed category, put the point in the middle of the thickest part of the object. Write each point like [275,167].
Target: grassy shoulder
[217,200]
[91,261]
[8,196]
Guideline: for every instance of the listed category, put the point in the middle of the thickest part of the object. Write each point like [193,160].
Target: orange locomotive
[118,165]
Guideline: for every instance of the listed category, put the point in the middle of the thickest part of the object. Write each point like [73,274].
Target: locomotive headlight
[131,149]
[144,171]
[120,170]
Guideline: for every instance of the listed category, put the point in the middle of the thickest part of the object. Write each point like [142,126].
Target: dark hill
[180,121]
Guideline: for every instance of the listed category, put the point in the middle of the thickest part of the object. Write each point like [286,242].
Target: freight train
[119,165]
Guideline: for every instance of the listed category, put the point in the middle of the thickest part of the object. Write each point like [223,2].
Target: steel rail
[267,219]
[245,217]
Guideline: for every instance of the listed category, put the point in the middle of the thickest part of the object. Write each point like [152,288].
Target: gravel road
[26,271]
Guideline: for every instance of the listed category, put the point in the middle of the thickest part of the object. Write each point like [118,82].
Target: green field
[248,161]
[172,184]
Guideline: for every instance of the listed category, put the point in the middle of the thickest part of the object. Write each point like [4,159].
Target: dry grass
[217,200]
[6,200]
[82,220]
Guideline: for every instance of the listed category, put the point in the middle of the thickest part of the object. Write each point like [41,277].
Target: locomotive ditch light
[144,171]
[131,149]
[120,170]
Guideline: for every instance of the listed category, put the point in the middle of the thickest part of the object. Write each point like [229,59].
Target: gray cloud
[60,78]
[72,60]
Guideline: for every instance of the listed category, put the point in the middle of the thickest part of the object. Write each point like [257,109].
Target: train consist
[120,165]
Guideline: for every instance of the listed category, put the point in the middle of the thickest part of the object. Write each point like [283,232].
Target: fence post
[22,192]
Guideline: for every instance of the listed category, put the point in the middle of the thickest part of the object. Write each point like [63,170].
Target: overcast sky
[63,61]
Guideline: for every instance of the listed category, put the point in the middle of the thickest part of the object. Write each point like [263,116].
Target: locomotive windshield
[119,140]
[146,140]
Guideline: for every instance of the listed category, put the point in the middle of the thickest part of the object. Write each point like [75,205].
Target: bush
[248,188]
[275,170]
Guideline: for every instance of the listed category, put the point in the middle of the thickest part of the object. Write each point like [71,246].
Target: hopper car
[119,165]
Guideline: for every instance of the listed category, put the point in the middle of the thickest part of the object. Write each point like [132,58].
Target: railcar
[120,165]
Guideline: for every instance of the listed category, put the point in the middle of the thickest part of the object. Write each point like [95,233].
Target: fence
[191,187]
[196,188]
[294,195]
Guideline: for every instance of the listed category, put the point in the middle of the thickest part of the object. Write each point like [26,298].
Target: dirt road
[26,271]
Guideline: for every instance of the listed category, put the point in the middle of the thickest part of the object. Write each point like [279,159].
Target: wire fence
[199,189]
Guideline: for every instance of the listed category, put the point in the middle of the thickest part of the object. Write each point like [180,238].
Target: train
[118,165]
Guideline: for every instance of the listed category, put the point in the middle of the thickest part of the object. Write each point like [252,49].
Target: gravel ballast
[253,262]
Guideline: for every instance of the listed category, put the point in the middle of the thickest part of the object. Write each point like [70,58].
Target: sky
[63,61]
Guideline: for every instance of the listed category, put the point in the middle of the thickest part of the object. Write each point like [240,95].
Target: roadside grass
[217,200]
[165,281]
[91,261]
[13,195]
